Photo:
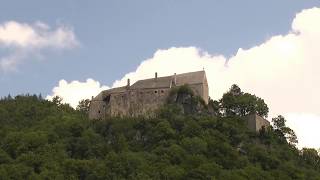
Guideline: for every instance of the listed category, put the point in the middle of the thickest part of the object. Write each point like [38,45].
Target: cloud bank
[22,41]
[283,70]
[75,91]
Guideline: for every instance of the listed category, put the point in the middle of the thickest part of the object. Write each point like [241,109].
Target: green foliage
[83,106]
[57,100]
[311,157]
[284,131]
[40,139]
[237,103]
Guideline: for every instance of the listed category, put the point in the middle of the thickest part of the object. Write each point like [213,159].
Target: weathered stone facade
[145,96]
[255,122]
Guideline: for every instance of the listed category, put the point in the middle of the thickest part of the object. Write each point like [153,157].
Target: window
[99,111]
[162,91]
[156,91]
[107,99]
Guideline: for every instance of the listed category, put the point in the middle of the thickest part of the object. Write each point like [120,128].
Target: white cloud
[283,71]
[23,40]
[306,127]
[75,91]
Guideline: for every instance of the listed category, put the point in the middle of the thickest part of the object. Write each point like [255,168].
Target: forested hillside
[40,139]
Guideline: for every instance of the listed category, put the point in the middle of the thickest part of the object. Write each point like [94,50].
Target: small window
[162,91]
[106,99]
[155,91]
[99,112]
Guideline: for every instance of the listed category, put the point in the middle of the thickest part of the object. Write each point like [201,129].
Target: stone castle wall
[201,90]
[134,102]
[138,102]
[255,122]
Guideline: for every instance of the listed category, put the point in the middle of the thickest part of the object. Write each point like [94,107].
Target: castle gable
[191,78]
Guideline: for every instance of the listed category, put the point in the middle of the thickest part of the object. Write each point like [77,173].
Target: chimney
[155,75]
[128,83]
[175,79]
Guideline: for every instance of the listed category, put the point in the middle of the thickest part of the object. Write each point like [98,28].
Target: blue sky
[269,48]
[115,36]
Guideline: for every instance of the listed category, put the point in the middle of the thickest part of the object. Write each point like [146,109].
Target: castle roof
[110,91]
[159,82]
[165,82]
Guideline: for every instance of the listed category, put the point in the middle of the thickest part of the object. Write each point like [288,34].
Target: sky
[75,49]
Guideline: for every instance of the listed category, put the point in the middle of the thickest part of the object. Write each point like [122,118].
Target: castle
[144,97]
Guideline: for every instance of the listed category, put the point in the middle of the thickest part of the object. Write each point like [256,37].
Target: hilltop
[40,139]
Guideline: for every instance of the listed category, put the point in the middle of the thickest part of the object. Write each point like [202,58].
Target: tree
[59,142]
[83,106]
[57,100]
[237,103]
[235,90]
[311,157]
[279,124]
[173,172]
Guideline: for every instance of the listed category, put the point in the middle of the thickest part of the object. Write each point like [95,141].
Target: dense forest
[42,139]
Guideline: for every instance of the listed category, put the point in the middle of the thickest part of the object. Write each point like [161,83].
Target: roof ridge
[164,81]
[172,75]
